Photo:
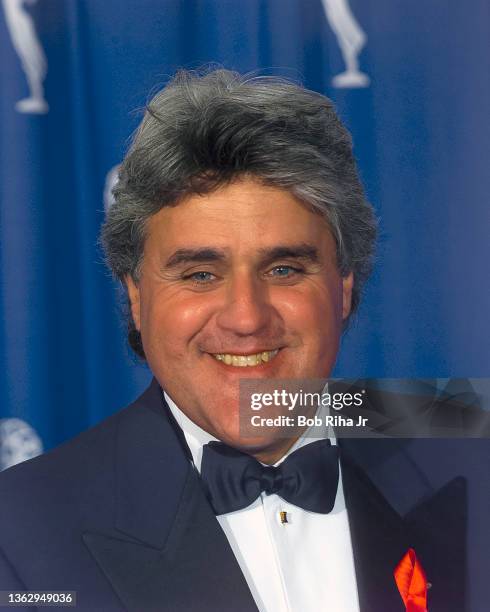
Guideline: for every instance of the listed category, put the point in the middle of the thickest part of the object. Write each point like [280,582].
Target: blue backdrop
[412,82]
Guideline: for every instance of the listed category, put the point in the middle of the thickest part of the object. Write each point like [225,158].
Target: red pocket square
[411,582]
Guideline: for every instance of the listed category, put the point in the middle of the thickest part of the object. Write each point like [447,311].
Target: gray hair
[204,130]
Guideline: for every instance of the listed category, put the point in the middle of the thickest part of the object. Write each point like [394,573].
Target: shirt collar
[196,437]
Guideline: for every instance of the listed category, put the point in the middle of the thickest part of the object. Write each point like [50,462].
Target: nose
[246,310]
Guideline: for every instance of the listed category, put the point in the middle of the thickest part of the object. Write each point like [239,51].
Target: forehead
[244,215]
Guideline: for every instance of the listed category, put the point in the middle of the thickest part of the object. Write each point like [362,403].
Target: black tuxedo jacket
[118,515]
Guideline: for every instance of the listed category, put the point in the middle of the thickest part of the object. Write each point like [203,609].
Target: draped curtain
[411,81]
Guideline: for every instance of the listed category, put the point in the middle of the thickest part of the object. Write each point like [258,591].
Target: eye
[201,277]
[285,271]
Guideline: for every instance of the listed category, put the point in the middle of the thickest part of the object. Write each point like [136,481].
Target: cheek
[170,320]
[313,308]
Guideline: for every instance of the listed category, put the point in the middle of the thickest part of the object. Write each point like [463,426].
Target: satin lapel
[379,540]
[439,528]
[435,526]
[167,551]
[195,571]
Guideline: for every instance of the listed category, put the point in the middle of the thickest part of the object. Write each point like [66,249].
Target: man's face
[243,275]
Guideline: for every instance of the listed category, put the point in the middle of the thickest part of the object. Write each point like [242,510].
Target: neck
[273,453]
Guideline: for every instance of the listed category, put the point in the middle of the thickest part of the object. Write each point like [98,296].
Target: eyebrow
[200,255]
[305,252]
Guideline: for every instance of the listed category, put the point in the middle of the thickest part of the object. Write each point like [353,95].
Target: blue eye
[201,277]
[284,271]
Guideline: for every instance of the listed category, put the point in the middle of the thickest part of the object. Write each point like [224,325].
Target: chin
[249,444]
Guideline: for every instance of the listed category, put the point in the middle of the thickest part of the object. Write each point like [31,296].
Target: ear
[134,300]
[347,284]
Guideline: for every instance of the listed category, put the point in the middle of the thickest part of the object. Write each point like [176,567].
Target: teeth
[252,360]
[242,361]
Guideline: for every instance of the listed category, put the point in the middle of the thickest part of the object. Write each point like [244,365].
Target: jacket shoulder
[72,475]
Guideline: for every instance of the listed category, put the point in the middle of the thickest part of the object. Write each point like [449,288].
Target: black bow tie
[308,477]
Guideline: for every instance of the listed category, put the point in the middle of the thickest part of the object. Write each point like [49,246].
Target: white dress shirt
[304,565]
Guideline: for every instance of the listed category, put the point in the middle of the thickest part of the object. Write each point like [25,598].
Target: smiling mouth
[243,361]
